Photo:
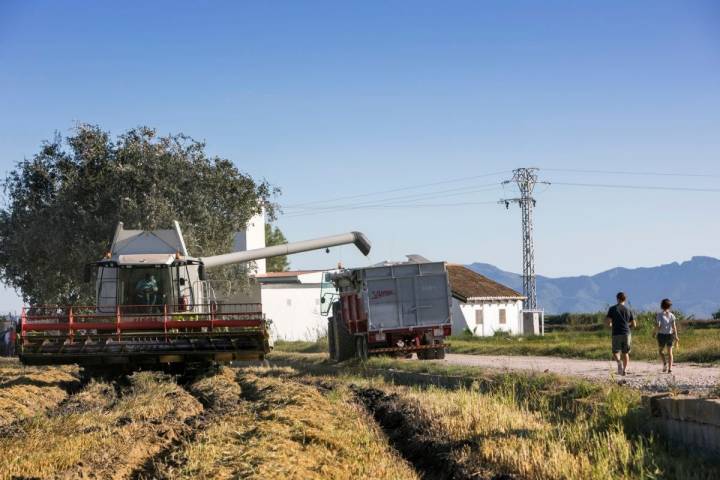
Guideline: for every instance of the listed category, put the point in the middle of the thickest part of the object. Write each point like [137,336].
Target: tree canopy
[274,236]
[62,205]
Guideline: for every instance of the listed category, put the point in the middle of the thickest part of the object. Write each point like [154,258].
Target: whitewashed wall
[294,310]
[464,316]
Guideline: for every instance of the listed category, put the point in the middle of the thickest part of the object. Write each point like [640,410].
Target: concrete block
[688,409]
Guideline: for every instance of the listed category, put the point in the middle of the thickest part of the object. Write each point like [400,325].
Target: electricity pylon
[526,179]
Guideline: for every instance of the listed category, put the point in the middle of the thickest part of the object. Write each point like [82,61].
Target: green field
[698,345]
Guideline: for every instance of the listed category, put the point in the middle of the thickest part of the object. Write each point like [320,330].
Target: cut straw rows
[29,391]
[99,433]
[284,429]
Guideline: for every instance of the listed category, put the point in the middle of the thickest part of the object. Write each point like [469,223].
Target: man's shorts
[665,340]
[621,343]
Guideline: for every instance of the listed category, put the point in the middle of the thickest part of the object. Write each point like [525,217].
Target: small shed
[483,306]
[291,300]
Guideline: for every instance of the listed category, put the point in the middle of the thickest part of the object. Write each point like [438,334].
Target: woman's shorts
[665,340]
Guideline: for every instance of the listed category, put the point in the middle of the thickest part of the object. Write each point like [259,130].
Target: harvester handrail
[159,318]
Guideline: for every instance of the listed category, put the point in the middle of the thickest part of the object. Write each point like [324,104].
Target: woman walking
[666,333]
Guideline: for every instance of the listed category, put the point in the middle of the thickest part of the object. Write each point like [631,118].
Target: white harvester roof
[134,247]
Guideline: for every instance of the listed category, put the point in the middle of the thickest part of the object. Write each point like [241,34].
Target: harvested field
[254,423]
[522,426]
[104,431]
[282,428]
[29,391]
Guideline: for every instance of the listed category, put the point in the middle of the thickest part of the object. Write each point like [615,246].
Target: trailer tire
[440,352]
[345,341]
[331,338]
[426,354]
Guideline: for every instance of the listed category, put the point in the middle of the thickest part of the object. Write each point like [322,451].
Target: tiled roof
[466,284]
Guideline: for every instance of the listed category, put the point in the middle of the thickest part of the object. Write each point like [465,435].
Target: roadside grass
[503,435]
[534,391]
[28,391]
[98,432]
[285,429]
[301,346]
[696,345]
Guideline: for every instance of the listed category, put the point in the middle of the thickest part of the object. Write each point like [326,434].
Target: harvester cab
[154,307]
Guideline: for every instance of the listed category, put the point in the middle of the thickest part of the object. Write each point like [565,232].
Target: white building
[482,305]
[291,300]
[253,237]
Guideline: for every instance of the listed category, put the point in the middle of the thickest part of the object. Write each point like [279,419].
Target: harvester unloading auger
[154,307]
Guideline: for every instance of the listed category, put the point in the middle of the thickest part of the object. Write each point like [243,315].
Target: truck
[391,309]
[155,308]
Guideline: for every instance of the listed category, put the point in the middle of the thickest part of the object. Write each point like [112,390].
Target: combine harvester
[155,309]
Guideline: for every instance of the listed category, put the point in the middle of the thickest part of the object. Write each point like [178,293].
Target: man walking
[621,319]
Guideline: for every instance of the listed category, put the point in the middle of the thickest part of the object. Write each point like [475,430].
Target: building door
[479,321]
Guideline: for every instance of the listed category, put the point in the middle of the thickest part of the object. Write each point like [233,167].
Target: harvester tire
[361,347]
[331,338]
[345,341]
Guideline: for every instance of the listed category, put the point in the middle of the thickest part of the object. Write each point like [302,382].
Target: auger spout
[356,238]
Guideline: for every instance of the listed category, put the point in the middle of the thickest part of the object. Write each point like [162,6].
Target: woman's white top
[665,322]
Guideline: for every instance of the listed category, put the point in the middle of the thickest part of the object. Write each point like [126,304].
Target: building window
[503,317]
[479,316]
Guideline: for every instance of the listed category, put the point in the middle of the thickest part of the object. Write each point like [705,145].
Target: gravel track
[642,375]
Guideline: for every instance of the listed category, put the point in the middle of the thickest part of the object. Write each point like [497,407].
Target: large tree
[62,206]
[274,236]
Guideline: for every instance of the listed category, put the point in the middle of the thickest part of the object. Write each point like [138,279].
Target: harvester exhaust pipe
[356,238]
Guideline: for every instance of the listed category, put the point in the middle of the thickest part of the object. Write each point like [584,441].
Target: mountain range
[693,286]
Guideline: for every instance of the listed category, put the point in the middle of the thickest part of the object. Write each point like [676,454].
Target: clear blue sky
[328,99]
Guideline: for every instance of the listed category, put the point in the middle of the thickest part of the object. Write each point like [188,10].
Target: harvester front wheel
[344,340]
[331,338]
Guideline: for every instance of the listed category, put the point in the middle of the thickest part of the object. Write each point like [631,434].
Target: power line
[382,207]
[415,196]
[638,187]
[635,173]
[410,187]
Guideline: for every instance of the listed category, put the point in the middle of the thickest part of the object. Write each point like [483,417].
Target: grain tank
[395,309]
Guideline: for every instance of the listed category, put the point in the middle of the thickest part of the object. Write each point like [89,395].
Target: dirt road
[641,374]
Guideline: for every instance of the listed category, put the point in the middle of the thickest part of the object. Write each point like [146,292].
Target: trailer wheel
[331,338]
[361,347]
[345,341]
[440,352]
[426,354]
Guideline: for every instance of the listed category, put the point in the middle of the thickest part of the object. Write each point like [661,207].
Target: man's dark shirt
[621,317]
